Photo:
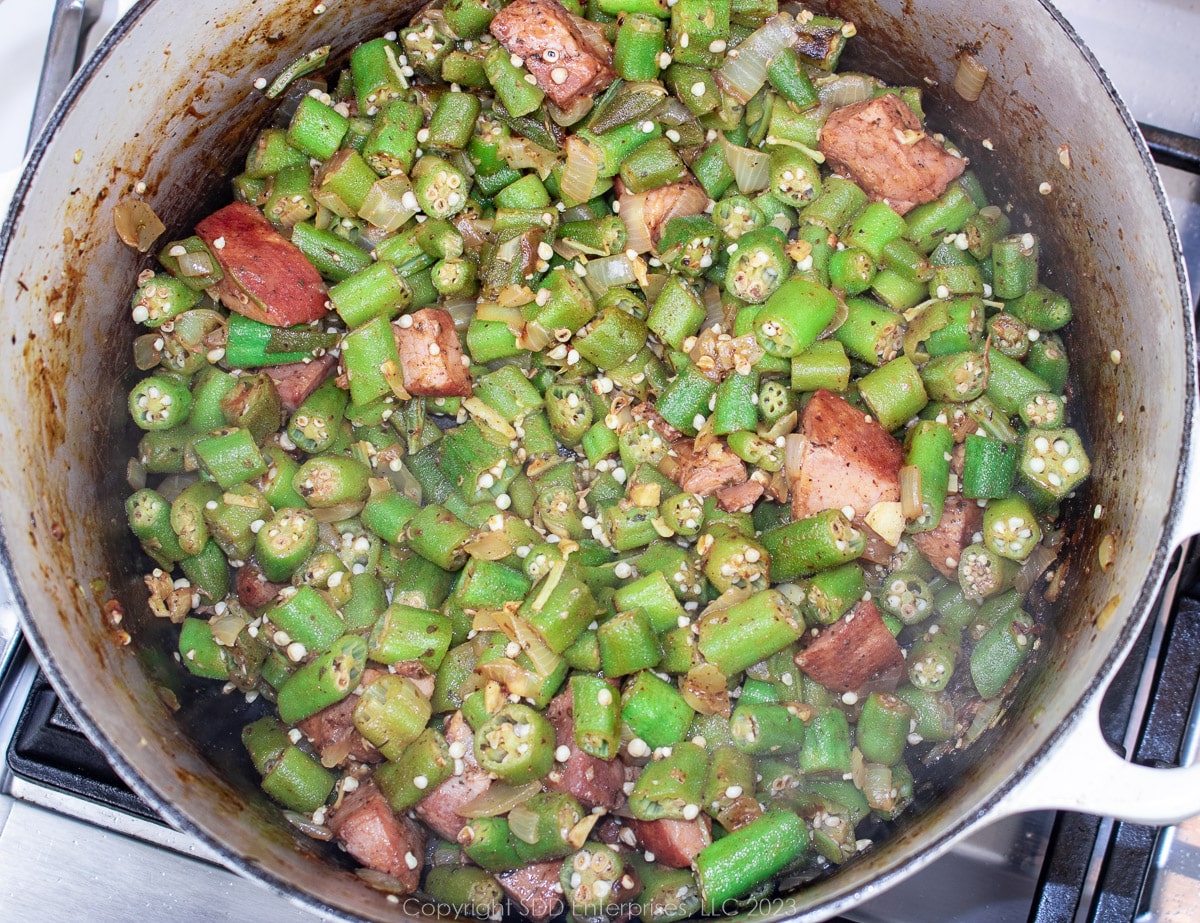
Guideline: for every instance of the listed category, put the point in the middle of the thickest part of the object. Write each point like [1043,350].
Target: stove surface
[60,854]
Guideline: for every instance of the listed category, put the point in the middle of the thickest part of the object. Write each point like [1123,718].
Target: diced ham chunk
[881,145]
[593,782]
[564,63]
[297,380]
[333,735]
[645,411]
[848,460]
[370,831]
[535,889]
[961,519]
[438,808]
[254,590]
[658,206]
[706,471]
[675,843]
[739,496]
[431,356]
[267,278]
[854,651]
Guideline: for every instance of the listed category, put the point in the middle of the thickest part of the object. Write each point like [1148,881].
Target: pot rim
[841,900]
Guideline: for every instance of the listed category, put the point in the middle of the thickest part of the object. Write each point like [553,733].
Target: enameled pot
[168,102]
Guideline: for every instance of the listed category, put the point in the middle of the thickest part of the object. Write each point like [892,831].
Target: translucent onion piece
[580,172]
[609,272]
[686,198]
[135,474]
[845,89]
[751,169]
[389,203]
[970,77]
[633,216]
[910,492]
[337,513]
[136,224]
[461,308]
[706,690]
[523,822]
[523,154]
[574,113]
[226,628]
[500,798]
[195,264]
[794,450]
[489,310]
[381,881]
[489,546]
[1035,565]
[512,676]
[305,825]
[146,355]
[744,74]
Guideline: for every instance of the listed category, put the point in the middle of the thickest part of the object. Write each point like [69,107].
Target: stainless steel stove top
[62,855]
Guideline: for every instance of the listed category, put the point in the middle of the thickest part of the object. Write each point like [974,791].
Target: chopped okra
[611,458]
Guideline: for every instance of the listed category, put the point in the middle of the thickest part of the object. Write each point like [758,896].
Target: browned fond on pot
[170,104]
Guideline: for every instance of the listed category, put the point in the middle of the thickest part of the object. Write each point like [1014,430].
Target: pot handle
[1083,773]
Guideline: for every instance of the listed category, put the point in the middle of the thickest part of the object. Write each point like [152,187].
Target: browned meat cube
[593,782]
[675,843]
[438,808]
[535,889]
[254,590]
[297,380]
[707,471]
[849,460]
[431,356]
[675,200]
[881,145]
[376,836]
[854,651]
[961,519]
[645,411]
[333,735]
[564,63]
[739,496]
[267,278]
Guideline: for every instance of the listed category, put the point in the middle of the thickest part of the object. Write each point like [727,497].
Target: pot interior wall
[170,104]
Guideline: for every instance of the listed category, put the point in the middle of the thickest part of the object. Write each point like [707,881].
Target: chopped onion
[581,171]
[523,822]
[389,203]
[1035,565]
[136,224]
[795,448]
[196,264]
[523,154]
[226,628]
[972,74]
[845,89]
[706,689]
[574,113]
[305,825]
[751,169]
[910,492]
[135,474]
[743,74]
[490,310]
[499,798]
[609,272]
[488,546]
[347,510]
[461,308]
[633,216]
[381,881]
